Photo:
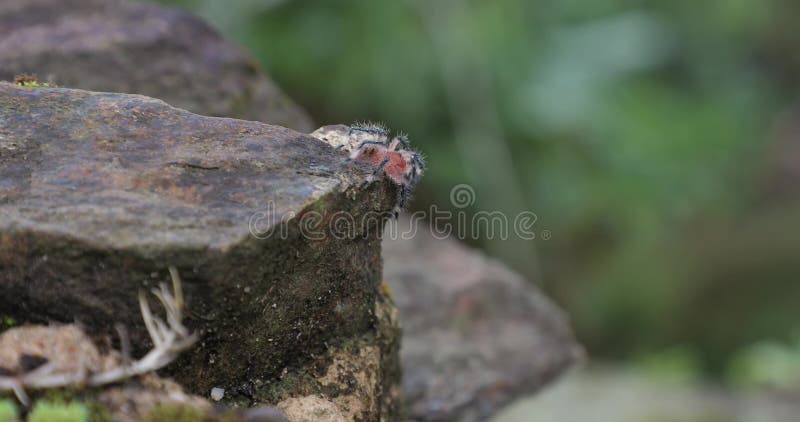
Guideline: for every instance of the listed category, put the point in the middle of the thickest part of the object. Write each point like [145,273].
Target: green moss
[176,412]
[385,290]
[230,416]
[36,84]
[320,205]
[44,411]
[83,395]
[8,411]
[98,412]
[30,80]
[58,395]
[70,397]
[7,322]
[294,383]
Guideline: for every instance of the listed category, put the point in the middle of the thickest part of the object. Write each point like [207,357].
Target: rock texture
[139,48]
[100,192]
[618,394]
[67,349]
[475,335]
[351,382]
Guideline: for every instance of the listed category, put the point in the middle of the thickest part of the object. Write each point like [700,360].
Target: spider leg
[373,129]
[375,172]
[417,167]
[419,162]
[369,143]
[402,199]
[401,140]
[403,196]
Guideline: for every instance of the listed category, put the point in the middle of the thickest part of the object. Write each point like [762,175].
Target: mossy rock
[101,192]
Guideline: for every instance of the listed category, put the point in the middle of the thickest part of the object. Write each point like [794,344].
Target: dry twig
[169,338]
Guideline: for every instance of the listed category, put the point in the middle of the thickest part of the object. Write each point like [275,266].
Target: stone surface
[615,394]
[312,409]
[148,397]
[354,381]
[58,345]
[100,193]
[140,48]
[475,334]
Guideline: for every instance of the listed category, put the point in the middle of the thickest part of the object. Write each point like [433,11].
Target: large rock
[140,48]
[475,334]
[100,193]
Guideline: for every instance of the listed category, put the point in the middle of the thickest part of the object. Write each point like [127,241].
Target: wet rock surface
[100,193]
[475,334]
[140,48]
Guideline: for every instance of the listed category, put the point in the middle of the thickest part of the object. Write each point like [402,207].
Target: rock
[312,409]
[263,414]
[100,193]
[151,398]
[615,394]
[147,397]
[140,48]
[475,334]
[67,349]
[350,380]
[58,346]
[217,393]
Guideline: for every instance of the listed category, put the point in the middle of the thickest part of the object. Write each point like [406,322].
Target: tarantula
[393,157]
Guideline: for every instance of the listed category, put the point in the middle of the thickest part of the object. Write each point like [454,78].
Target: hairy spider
[393,157]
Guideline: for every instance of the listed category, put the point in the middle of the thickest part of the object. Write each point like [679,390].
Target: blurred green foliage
[677,365]
[768,363]
[44,411]
[639,132]
[8,411]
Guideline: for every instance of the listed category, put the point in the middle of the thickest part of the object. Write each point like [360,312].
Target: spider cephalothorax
[390,156]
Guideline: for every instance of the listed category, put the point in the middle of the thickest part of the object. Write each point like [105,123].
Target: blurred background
[658,143]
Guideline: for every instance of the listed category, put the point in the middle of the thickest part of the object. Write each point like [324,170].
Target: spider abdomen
[395,169]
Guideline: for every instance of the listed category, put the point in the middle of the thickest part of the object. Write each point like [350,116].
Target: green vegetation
[30,80]
[8,411]
[175,412]
[768,363]
[7,322]
[44,411]
[651,139]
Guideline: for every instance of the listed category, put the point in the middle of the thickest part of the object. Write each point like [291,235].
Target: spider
[393,157]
